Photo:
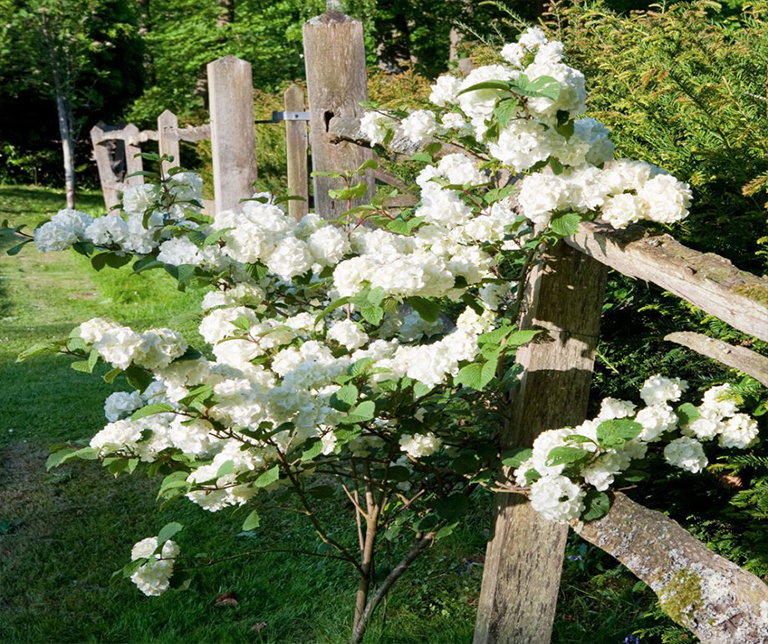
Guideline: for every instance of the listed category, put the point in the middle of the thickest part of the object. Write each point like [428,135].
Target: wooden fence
[525,552]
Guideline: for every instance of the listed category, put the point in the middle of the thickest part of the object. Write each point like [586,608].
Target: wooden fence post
[107,177]
[334,56]
[168,138]
[296,153]
[524,557]
[233,134]
[133,163]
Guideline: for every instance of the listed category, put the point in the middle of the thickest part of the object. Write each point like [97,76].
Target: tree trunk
[64,112]
[714,598]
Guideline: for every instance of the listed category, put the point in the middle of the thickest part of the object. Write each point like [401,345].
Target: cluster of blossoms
[153,577]
[324,339]
[565,464]
[570,159]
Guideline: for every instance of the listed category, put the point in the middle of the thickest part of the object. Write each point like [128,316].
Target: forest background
[683,85]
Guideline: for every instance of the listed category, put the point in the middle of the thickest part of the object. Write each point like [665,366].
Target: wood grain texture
[296,153]
[741,358]
[707,281]
[233,134]
[107,179]
[714,598]
[133,162]
[334,56]
[525,553]
[168,138]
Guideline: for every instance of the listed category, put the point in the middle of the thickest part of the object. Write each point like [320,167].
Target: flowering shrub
[377,350]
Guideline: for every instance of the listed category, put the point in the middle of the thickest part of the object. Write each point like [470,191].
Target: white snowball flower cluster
[121,346]
[153,578]
[420,445]
[65,228]
[564,463]
[121,404]
[376,126]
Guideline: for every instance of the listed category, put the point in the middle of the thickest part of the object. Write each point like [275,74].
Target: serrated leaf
[686,414]
[471,376]
[344,398]
[372,313]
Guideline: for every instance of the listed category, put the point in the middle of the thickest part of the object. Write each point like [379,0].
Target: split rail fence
[525,552]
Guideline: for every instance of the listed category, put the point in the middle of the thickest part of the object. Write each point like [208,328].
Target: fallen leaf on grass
[226,599]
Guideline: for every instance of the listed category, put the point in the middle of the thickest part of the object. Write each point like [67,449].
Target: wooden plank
[296,153]
[741,358]
[334,56]
[133,163]
[167,128]
[194,133]
[107,177]
[524,557]
[714,598]
[707,281]
[126,134]
[233,134]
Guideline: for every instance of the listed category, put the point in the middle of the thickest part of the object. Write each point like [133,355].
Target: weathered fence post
[233,134]
[296,153]
[168,138]
[525,553]
[104,165]
[334,56]
[133,163]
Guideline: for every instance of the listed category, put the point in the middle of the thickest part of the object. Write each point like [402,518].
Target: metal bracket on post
[287,116]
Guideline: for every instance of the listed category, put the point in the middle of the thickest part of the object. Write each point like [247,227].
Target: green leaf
[251,521]
[420,390]
[596,505]
[37,349]
[491,84]
[180,580]
[110,376]
[372,313]
[360,414]
[370,164]
[149,410]
[422,157]
[15,250]
[429,310]
[227,467]
[613,434]
[167,531]
[488,372]
[522,337]
[687,413]
[344,398]
[321,491]
[565,225]
[514,458]
[471,376]
[451,508]
[315,448]
[64,455]
[566,455]
[433,148]
[505,111]
[268,477]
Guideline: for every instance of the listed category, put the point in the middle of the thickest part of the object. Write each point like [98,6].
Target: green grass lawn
[63,533]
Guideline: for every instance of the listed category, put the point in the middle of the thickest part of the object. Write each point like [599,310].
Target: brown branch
[714,598]
[741,358]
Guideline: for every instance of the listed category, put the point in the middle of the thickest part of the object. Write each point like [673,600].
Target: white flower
[290,258]
[444,90]
[65,228]
[107,231]
[657,389]
[557,498]
[739,431]
[328,245]
[179,251]
[601,472]
[347,334]
[666,199]
[614,408]
[122,403]
[419,126]
[720,400]
[420,445]
[93,330]
[119,346]
[481,103]
[136,199]
[153,578]
[375,126]
[687,454]
[623,209]
[159,347]
[656,419]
